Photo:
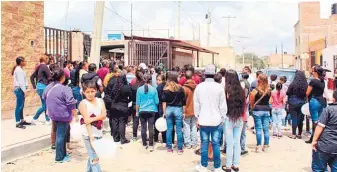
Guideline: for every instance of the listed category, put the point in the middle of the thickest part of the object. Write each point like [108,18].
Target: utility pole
[97,33]
[193,28]
[199,31]
[252,61]
[208,17]
[282,53]
[229,36]
[178,19]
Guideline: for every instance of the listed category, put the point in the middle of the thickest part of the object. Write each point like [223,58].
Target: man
[190,121]
[102,72]
[83,71]
[210,108]
[324,142]
[253,84]
[92,75]
[195,77]
[251,78]
[131,74]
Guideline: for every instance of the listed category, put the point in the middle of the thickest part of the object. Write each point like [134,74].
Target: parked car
[289,73]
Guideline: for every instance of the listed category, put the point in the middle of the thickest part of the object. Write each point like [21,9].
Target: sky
[258,27]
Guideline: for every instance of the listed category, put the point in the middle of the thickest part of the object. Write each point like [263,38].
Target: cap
[210,69]
[143,65]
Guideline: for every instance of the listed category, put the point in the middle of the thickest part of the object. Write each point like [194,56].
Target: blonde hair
[172,82]
[262,85]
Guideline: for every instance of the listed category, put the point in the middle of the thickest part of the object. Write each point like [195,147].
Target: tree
[258,63]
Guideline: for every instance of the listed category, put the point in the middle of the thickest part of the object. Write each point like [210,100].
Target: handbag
[258,101]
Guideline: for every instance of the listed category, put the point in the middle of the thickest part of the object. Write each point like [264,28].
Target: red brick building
[22,33]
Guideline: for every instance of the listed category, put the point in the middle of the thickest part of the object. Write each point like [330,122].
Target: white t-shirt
[96,110]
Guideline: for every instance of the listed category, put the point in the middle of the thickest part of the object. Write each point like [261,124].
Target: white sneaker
[47,123]
[201,168]
[34,122]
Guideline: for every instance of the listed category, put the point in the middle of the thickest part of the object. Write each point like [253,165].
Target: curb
[14,151]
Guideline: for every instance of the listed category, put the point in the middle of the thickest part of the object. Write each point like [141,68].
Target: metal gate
[149,52]
[57,43]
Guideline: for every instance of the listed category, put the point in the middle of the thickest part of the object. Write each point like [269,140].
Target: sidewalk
[19,142]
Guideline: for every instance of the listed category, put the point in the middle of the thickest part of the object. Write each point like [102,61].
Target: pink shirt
[66,72]
[278,99]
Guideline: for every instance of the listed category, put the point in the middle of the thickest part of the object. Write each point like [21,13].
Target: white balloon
[76,131]
[305,109]
[105,147]
[161,124]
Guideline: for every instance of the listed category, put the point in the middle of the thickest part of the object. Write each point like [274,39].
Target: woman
[43,76]
[121,96]
[174,102]
[134,87]
[146,108]
[259,103]
[296,98]
[20,91]
[75,82]
[234,122]
[161,82]
[61,108]
[315,96]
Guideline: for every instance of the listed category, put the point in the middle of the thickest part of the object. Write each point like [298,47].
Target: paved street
[284,155]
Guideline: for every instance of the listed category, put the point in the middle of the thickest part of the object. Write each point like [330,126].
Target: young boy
[324,142]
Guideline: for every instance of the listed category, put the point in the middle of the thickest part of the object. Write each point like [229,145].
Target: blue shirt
[129,77]
[147,102]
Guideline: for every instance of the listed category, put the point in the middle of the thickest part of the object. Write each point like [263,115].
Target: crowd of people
[215,104]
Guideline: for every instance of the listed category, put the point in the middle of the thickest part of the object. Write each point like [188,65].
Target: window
[32,43]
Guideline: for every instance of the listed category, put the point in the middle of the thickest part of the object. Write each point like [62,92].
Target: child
[278,102]
[93,112]
[324,141]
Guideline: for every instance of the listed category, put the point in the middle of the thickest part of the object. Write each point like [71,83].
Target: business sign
[112,37]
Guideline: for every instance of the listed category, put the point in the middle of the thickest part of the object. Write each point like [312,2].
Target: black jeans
[296,118]
[147,121]
[135,125]
[118,121]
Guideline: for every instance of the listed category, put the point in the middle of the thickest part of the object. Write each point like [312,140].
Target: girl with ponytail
[146,107]
[315,96]
[20,90]
[278,101]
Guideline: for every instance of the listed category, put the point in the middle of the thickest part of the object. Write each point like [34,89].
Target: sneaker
[169,150]
[151,148]
[299,136]
[244,153]
[34,122]
[65,159]
[274,135]
[134,139]
[25,123]
[145,147]
[265,148]
[201,168]
[180,152]
[20,126]
[53,147]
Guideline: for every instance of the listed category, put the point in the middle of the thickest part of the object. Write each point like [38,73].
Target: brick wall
[21,23]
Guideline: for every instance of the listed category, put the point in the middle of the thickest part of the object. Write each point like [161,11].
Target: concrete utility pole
[229,36]
[208,17]
[178,20]
[97,34]
[199,31]
[282,53]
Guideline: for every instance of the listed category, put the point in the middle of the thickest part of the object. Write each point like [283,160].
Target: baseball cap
[210,69]
[143,65]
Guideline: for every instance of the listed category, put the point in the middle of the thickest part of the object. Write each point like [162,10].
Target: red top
[195,78]
[102,72]
[133,81]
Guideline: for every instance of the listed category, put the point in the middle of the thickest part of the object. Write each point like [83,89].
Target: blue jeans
[20,104]
[261,121]
[77,95]
[243,137]
[315,109]
[40,89]
[174,115]
[286,119]
[233,148]
[190,131]
[277,120]
[91,165]
[61,133]
[215,134]
[321,160]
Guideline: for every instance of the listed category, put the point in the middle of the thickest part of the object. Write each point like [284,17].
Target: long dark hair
[235,96]
[116,89]
[140,76]
[18,61]
[58,73]
[299,85]
[320,72]
[77,73]
[147,80]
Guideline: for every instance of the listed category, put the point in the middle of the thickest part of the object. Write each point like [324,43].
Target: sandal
[235,168]
[292,136]
[224,168]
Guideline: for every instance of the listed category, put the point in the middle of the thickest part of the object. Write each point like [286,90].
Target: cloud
[266,24]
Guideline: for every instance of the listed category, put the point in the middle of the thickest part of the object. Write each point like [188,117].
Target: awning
[175,43]
[117,50]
